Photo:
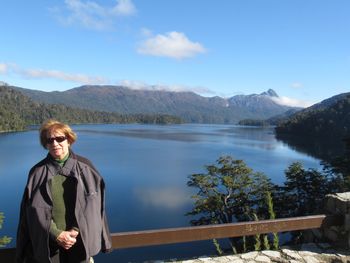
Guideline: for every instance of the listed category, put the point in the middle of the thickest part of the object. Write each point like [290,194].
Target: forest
[319,122]
[17,112]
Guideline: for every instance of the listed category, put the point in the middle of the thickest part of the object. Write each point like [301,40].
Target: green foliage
[230,191]
[302,192]
[17,112]
[262,241]
[217,247]
[5,239]
[320,122]
[257,243]
[266,242]
[339,168]
[272,215]
[234,250]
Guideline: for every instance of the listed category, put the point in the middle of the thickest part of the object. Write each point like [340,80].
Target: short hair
[54,125]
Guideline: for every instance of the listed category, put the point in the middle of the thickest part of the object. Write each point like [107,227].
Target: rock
[309,254]
[250,255]
[310,259]
[271,253]
[262,258]
[291,254]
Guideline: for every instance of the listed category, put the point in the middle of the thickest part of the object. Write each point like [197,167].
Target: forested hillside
[331,120]
[17,111]
[188,106]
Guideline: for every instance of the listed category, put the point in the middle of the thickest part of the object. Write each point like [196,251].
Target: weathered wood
[187,234]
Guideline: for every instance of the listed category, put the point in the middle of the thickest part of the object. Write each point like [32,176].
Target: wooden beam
[187,234]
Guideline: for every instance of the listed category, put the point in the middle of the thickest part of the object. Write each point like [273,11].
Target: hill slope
[329,118]
[17,111]
[188,106]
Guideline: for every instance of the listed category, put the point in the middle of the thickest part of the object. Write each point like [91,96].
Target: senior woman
[62,215]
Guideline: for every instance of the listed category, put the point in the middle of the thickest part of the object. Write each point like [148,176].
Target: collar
[67,169]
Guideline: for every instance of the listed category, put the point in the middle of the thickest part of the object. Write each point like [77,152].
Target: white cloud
[124,8]
[7,68]
[137,85]
[292,102]
[59,75]
[173,44]
[11,68]
[3,68]
[93,15]
[296,85]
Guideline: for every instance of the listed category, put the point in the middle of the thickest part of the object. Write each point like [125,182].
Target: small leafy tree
[303,191]
[272,215]
[5,239]
[302,194]
[228,192]
[257,237]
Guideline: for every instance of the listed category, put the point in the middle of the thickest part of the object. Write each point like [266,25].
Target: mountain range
[188,106]
[18,112]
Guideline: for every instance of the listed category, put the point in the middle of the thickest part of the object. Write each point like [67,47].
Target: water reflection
[263,138]
[164,198]
[251,133]
[324,149]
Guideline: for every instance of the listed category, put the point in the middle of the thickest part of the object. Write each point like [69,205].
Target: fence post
[338,204]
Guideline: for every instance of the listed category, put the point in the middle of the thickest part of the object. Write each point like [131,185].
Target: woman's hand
[67,238]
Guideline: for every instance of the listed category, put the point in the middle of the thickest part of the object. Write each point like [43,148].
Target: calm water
[146,168]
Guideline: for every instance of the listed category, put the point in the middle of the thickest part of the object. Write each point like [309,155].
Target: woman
[62,217]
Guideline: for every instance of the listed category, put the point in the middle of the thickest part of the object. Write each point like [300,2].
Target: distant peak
[270,93]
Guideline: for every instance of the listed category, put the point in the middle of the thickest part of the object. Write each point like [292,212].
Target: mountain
[188,106]
[319,130]
[17,111]
[329,118]
[273,121]
[260,104]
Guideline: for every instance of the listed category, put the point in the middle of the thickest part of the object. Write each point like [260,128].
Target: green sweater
[63,205]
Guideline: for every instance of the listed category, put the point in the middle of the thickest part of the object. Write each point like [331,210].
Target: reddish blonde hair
[52,125]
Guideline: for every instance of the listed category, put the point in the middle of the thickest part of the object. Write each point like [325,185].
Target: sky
[299,48]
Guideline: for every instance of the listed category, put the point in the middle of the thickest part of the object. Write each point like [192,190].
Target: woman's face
[57,144]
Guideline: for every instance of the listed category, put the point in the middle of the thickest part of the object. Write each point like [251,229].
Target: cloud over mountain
[291,102]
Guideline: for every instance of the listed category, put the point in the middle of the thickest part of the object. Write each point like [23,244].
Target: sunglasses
[58,139]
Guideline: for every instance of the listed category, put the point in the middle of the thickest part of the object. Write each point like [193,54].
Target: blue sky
[299,48]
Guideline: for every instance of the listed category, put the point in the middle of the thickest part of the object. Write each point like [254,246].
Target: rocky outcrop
[306,253]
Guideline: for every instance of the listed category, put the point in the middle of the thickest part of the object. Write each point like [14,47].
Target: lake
[146,168]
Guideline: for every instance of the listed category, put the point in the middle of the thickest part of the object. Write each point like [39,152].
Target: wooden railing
[188,234]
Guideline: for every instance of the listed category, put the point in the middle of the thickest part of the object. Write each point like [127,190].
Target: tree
[302,194]
[303,191]
[229,192]
[339,168]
